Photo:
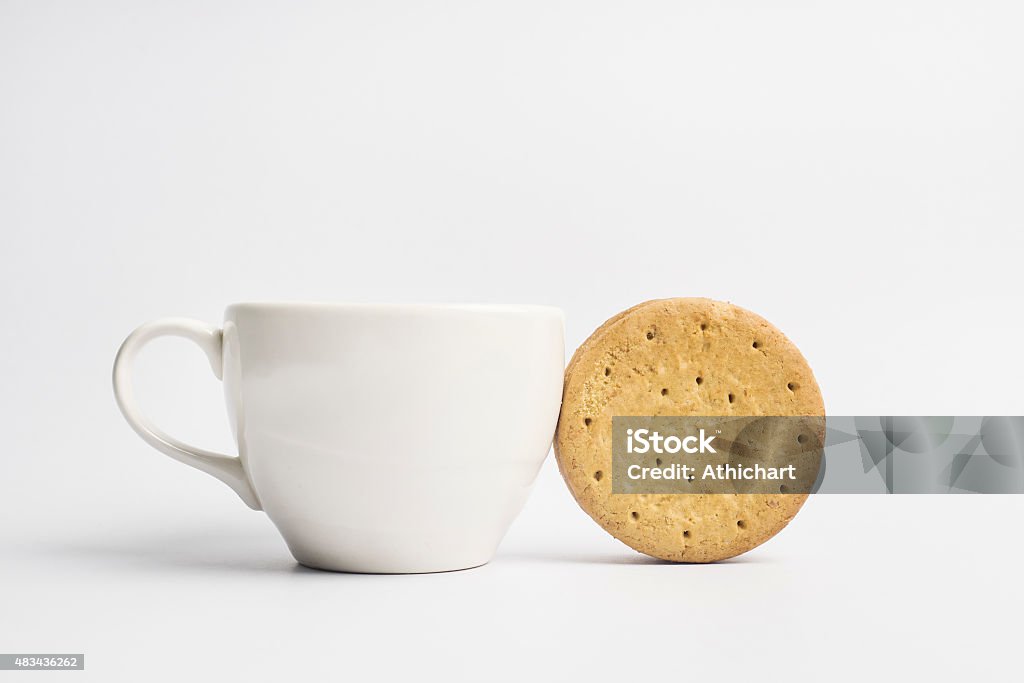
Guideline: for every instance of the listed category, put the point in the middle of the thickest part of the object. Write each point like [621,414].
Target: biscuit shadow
[625,559]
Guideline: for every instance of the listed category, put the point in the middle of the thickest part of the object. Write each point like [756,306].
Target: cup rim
[411,308]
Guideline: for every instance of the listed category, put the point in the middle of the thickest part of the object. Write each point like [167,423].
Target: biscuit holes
[686,534]
[657,461]
[650,335]
[635,515]
[607,372]
[664,392]
[587,421]
[741,524]
[792,386]
[801,438]
[700,380]
[783,489]
[732,398]
[756,344]
[599,475]
[703,326]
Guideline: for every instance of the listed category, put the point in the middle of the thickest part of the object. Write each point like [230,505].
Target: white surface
[851,172]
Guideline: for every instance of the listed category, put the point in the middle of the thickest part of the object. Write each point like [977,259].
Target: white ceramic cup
[377,438]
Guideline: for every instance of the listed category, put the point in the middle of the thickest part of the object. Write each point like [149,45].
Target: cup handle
[210,339]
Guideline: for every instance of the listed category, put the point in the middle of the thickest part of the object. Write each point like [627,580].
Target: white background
[850,170]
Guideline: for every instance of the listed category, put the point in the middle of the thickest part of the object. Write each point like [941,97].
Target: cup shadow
[187,549]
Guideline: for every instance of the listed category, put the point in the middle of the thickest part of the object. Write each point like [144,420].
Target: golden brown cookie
[679,357]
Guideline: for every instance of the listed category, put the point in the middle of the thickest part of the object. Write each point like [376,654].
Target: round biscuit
[681,356]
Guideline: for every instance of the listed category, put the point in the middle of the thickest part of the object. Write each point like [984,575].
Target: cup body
[392,439]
